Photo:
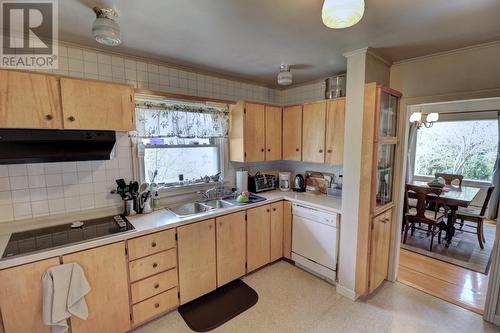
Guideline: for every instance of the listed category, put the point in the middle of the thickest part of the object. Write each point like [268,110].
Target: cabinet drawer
[149,244]
[151,307]
[154,264]
[154,285]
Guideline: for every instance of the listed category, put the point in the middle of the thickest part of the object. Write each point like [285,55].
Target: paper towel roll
[241,181]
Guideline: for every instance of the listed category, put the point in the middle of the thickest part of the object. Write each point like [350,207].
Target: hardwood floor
[452,283]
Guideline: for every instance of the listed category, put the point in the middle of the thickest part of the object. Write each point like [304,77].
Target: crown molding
[449,52]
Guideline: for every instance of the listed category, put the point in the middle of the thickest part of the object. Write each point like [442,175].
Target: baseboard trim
[346,292]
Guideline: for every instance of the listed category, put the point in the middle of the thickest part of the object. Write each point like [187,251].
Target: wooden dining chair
[449,178]
[420,214]
[475,216]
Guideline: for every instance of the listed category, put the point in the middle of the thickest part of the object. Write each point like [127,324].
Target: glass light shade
[106,31]
[415,116]
[285,78]
[339,14]
[432,117]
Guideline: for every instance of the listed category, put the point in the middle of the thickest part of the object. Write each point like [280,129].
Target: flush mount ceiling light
[105,29]
[284,76]
[339,14]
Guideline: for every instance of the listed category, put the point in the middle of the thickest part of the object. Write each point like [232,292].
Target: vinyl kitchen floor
[291,300]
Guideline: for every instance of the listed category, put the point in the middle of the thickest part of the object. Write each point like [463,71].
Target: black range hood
[36,146]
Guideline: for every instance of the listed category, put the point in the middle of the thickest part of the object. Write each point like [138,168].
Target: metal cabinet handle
[262,149]
[274,209]
[268,149]
[297,149]
[267,210]
[321,150]
[329,151]
[157,305]
[153,244]
[155,265]
[71,118]
[49,117]
[157,285]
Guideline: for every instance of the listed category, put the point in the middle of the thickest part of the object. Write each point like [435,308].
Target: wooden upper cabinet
[254,132]
[335,121]
[94,105]
[108,300]
[273,132]
[313,132]
[379,249]
[292,133]
[197,262]
[29,100]
[258,237]
[21,297]
[231,247]
[276,230]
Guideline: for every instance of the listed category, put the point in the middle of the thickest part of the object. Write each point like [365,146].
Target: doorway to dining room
[450,202]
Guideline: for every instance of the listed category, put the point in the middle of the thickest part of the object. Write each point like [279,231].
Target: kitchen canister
[241,181]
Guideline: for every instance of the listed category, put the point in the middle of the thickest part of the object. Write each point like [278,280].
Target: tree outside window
[467,148]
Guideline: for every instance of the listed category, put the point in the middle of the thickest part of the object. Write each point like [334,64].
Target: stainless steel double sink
[200,207]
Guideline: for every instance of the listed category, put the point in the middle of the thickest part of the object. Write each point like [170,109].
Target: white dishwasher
[314,241]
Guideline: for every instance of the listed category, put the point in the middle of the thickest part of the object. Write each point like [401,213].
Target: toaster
[262,182]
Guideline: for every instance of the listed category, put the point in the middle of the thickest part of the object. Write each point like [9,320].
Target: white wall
[36,190]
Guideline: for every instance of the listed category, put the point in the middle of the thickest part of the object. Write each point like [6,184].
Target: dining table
[452,197]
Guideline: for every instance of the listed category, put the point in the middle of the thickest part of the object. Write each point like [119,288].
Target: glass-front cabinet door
[385,174]
[388,114]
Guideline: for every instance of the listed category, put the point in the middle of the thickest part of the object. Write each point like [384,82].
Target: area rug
[214,309]
[464,249]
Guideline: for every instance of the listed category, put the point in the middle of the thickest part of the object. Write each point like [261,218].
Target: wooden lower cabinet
[155,305]
[231,247]
[21,297]
[276,230]
[379,249]
[197,262]
[108,300]
[287,229]
[258,237]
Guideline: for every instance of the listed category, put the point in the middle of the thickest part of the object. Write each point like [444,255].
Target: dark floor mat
[214,309]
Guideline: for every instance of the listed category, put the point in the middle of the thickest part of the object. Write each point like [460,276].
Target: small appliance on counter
[284,181]
[318,182]
[261,182]
[299,184]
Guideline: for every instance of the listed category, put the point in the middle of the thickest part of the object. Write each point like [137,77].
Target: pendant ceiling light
[339,14]
[105,29]
[285,76]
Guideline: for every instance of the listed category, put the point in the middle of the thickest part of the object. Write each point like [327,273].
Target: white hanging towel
[64,288]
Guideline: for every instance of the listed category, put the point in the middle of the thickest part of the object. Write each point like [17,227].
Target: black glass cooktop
[60,235]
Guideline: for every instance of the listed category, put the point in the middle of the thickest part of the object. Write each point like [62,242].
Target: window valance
[183,120]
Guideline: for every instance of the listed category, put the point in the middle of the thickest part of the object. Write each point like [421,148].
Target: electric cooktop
[65,234]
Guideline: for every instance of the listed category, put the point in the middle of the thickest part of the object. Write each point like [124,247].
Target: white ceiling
[250,38]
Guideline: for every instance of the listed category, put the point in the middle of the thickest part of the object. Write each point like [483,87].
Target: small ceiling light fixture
[105,29]
[285,76]
[430,119]
[340,14]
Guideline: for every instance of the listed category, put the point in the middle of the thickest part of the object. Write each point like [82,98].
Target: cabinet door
[335,120]
[254,132]
[21,297]
[276,230]
[29,100]
[258,237]
[313,132]
[287,229]
[108,300]
[231,247]
[292,133]
[196,253]
[95,105]
[273,133]
[380,245]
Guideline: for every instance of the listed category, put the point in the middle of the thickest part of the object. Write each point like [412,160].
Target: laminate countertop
[159,220]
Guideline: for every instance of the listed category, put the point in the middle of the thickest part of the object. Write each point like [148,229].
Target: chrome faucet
[206,194]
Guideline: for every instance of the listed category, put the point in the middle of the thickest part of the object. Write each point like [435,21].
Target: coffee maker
[284,181]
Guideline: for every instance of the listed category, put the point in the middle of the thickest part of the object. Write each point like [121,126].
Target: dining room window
[464,147]
[182,141]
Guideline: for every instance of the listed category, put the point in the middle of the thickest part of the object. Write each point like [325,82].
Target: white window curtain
[182,120]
